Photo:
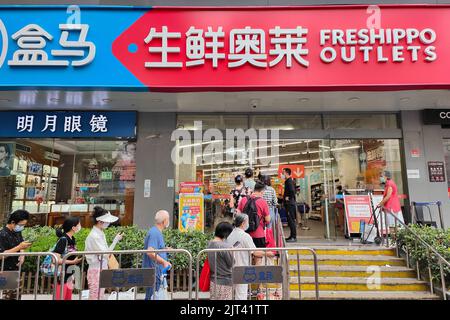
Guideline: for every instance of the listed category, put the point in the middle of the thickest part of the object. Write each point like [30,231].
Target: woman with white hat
[96,241]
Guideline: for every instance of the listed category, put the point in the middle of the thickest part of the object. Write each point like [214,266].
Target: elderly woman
[221,263]
[390,202]
[241,239]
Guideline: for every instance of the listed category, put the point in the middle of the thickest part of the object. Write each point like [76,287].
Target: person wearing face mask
[241,239]
[11,241]
[155,241]
[390,202]
[66,244]
[96,241]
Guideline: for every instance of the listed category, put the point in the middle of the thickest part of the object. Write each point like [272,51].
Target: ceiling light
[106,100]
[156,100]
[404,99]
[345,148]
[303,99]
[353,99]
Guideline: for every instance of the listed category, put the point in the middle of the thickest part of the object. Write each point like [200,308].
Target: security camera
[254,103]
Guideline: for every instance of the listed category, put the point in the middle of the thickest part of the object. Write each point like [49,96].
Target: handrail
[429,248]
[423,241]
[216,250]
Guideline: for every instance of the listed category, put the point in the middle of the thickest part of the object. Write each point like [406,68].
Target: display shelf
[31,180]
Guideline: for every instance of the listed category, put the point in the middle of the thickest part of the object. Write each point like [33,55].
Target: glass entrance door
[329,189]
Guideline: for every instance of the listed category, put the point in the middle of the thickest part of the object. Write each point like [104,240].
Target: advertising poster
[357,208]
[191,212]
[7,151]
[191,187]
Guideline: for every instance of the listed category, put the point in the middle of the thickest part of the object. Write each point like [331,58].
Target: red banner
[290,48]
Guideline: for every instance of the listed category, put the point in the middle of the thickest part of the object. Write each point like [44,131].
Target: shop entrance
[324,170]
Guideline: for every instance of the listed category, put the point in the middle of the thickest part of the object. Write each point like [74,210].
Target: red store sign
[290,48]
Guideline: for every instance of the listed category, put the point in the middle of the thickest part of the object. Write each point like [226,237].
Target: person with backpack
[66,244]
[238,192]
[258,214]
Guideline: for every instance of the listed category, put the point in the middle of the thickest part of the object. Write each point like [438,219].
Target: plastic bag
[162,293]
[127,295]
[204,281]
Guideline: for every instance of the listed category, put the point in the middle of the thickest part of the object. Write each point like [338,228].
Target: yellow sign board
[191,212]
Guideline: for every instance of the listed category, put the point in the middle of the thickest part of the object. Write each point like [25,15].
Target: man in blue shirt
[155,241]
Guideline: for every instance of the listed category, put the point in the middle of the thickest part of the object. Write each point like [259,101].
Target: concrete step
[347,250]
[365,295]
[352,271]
[341,260]
[358,284]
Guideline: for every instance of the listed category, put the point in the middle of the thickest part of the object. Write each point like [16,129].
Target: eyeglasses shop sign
[184,49]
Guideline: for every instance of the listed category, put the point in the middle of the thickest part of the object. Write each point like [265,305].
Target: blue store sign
[68,124]
[64,47]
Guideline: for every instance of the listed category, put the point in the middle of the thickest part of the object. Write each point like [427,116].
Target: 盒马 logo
[4,43]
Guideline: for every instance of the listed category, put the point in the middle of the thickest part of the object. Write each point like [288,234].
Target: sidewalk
[140,296]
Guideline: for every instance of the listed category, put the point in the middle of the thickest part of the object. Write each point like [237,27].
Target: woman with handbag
[66,244]
[96,241]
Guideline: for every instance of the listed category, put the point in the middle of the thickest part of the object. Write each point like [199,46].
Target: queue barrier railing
[280,276]
[135,270]
[432,254]
[7,277]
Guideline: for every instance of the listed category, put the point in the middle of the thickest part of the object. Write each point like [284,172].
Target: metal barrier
[430,252]
[7,278]
[143,276]
[415,213]
[252,270]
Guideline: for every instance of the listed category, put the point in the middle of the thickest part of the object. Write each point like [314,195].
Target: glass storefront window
[360,121]
[52,178]
[212,121]
[286,122]
[355,164]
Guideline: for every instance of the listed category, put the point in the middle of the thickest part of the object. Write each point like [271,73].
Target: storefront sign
[357,208]
[223,48]
[436,171]
[68,124]
[257,274]
[191,212]
[127,278]
[436,116]
[297,171]
[413,173]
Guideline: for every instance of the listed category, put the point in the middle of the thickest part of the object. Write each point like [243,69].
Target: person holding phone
[11,241]
[67,244]
[96,241]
